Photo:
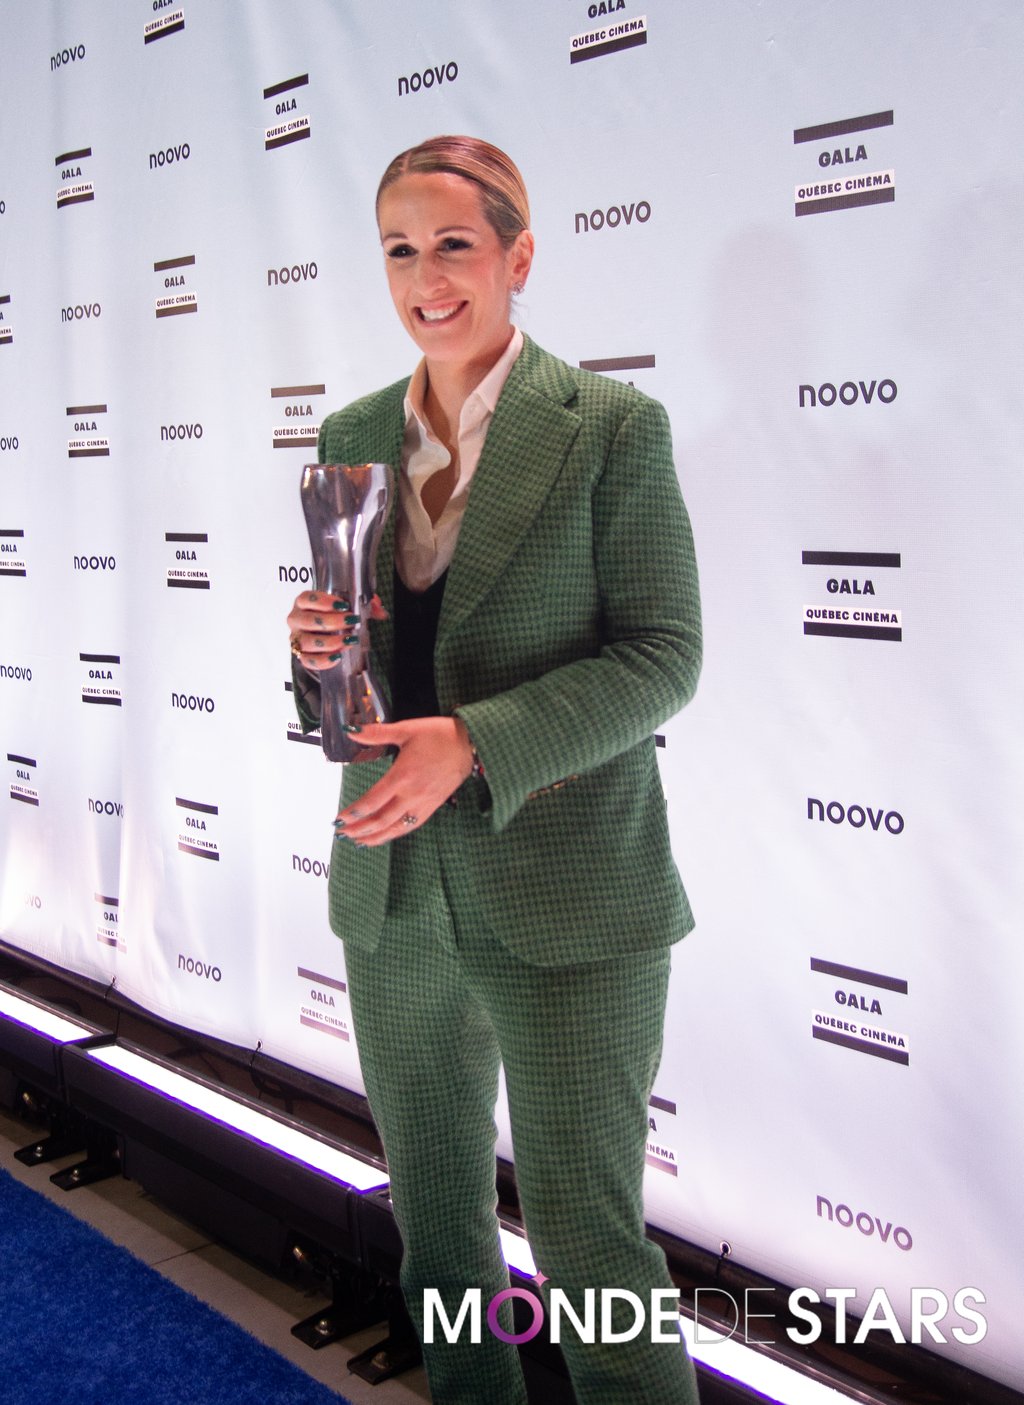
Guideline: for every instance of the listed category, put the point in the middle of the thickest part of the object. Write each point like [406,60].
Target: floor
[262,1304]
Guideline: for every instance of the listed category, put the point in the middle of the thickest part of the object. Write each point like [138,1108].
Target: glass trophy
[346,506]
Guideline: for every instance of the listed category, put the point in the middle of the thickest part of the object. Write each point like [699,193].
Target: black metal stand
[399,1351]
[63,1142]
[357,1301]
[65,1132]
[102,1160]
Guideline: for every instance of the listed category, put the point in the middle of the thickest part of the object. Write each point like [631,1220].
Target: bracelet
[477,768]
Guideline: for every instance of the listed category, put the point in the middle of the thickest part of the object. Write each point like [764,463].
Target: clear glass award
[346,506]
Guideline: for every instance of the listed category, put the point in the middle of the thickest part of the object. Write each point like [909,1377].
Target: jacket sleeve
[582,714]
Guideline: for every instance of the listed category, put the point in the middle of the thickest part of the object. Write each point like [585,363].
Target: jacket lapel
[527,443]
[386,447]
[379,440]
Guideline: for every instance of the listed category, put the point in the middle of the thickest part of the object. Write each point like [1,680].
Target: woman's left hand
[434,757]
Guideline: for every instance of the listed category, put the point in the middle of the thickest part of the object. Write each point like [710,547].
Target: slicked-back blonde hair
[502,191]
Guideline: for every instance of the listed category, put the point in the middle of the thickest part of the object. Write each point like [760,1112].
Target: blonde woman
[504,885]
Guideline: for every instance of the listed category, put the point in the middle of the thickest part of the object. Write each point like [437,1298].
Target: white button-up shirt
[424,549]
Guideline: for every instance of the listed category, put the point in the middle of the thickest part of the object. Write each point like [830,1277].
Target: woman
[504,886]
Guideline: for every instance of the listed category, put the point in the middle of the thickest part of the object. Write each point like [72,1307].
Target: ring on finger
[295,643]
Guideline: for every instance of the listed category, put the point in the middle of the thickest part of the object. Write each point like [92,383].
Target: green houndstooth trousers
[529,921]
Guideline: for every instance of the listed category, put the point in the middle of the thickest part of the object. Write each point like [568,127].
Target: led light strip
[714,1351]
[518,1254]
[747,1367]
[48,1022]
[240,1117]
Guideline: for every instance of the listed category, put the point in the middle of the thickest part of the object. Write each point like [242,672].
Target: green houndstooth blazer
[569,631]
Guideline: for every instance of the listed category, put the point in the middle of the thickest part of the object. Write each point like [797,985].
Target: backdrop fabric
[798,225]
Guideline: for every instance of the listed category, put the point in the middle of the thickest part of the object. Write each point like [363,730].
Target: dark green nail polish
[350,638]
[333,658]
[340,605]
[353,619]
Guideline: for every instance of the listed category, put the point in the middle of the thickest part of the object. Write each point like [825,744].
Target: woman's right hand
[323,626]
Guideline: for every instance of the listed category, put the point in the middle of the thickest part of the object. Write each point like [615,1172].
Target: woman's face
[449,274]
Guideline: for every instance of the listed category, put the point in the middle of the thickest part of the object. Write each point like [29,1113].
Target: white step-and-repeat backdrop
[797,224]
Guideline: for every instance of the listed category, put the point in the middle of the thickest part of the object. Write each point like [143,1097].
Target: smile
[440,314]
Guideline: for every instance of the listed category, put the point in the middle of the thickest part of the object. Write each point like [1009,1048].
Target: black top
[416,613]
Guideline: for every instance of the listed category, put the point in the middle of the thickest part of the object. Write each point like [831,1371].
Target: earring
[517,288]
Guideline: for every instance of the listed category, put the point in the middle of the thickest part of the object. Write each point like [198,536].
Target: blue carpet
[83,1322]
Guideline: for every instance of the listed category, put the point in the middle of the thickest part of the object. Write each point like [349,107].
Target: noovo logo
[297,273]
[614,216]
[106,807]
[202,969]
[441,73]
[295,574]
[15,671]
[95,563]
[317,867]
[170,432]
[848,393]
[79,311]
[169,155]
[856,815]
[8,441]
[191,702]
[67,56]
[867,1224]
